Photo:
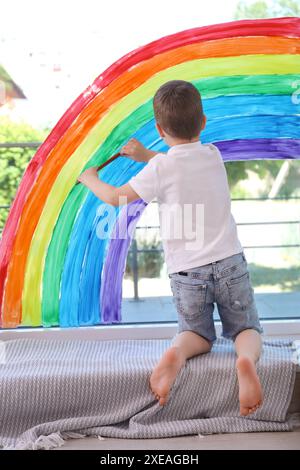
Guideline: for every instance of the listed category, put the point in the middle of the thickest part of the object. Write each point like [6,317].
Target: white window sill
[275,328]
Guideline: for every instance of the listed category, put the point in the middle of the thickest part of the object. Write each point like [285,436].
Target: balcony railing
[134,251]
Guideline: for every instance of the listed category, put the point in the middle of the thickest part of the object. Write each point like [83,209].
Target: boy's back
[191,187]
[210,267]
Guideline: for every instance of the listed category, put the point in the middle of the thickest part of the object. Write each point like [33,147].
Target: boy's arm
[135,150]
[145,180]
[106,192]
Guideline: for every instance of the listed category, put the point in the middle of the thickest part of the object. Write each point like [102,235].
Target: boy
[206,268]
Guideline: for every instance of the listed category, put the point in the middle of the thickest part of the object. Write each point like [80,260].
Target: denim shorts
[225,282]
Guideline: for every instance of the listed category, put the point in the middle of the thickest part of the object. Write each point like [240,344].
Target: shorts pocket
[190,299]
[235,269]
[240,292]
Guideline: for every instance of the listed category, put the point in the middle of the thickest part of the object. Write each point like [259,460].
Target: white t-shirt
[191,187]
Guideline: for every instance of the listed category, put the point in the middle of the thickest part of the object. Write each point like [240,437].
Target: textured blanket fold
[51,390]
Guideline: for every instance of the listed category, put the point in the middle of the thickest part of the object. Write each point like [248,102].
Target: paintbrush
[111,159]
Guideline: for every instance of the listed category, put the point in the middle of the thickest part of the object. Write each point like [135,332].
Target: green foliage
[14,161]
[236,171]
[149,263]
[239,171]
[267,9]
[286,279]
[257,9]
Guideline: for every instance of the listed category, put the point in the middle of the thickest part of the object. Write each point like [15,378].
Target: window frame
[147,331]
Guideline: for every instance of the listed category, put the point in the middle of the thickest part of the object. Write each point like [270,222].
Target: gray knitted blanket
[54,390]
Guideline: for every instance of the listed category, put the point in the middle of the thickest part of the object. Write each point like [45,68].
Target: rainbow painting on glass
[54,269]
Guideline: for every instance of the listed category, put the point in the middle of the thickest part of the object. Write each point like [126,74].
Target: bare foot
[250,393]
[165,373]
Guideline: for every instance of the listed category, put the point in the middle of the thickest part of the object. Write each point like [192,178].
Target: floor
[153,309]
[252,441]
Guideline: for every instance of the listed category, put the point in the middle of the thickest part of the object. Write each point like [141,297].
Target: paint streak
[111,292]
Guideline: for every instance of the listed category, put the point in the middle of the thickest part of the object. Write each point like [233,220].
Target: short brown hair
[178,109]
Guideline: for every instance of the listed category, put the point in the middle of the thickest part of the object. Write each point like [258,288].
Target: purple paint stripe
[115,262]
[256,149]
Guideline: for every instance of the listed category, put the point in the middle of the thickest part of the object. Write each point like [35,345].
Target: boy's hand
[88,175]
[113,195]
[135,150]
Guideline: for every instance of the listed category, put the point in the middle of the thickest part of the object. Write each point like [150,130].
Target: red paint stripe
[284,27]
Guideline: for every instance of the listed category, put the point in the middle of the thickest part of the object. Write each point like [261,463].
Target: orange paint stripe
[120,87]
